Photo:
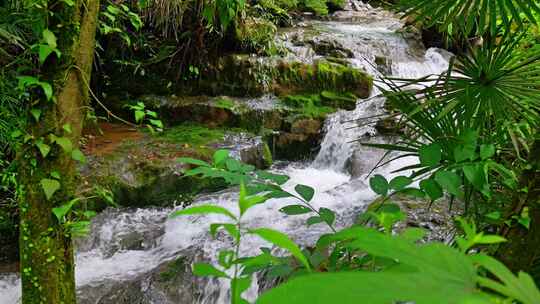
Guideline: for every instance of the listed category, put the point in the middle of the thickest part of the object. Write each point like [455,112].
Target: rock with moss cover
[143,171]
[244,75]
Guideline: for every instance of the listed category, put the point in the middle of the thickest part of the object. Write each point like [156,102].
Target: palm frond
[466,15]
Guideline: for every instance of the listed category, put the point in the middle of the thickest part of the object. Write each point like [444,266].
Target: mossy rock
[244,75]
[144,172]
[322,75]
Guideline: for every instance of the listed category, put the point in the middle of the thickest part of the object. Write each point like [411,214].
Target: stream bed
[124,257]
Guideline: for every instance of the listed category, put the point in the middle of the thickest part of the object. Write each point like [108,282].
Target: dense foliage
[474,130]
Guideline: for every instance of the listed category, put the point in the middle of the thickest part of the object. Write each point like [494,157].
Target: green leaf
[245,202]
[487,151]
[282,240]
[65,143]
[44,51]
[207,270]
[431,188]
[44,149]
[49,38]
[475,174]
[62,211]
[306,192]
[139,115]
[449,181]
[55,175]
[379,184]
[157,123]
[220,156]
[327,215]
[77,155]
[49,186]
[193,161]
[295,210]
[67,128]
[400,182]
[314,220]
[203,209]
[276,178]
[464,152]
[230,228]
[430,155]
[36,113]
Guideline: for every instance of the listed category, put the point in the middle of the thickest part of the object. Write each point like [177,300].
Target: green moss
[320,105]
[268,158]
[225,103]
[316,6]
[174,269]
[323,75]
[193,135]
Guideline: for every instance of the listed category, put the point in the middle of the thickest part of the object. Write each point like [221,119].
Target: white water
[104,257]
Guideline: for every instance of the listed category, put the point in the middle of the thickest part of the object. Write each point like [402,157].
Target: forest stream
[156,270]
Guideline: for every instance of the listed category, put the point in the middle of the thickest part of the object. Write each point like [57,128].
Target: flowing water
[125,244]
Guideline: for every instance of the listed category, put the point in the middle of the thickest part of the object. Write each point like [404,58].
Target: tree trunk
[47,264]
[522,251]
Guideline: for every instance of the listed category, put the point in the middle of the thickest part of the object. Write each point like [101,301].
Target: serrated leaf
[295,210]
[49,186]
[203,209]
[379,184]
[306,192]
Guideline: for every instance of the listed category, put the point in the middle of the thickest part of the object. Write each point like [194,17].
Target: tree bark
[47,263]
[522,251]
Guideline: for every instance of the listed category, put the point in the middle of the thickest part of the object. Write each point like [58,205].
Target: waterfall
[127,244]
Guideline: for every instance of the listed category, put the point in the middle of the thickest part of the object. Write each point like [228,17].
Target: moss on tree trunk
[47,264]
[522,251]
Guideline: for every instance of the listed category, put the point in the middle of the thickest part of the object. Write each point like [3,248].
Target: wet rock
[328,47]
[171,282]
[389,126]
[306,126]
[244,75]
[384,65]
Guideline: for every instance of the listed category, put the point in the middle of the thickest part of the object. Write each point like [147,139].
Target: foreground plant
[356,264]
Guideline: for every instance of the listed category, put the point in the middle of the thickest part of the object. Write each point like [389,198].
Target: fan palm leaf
[466,15]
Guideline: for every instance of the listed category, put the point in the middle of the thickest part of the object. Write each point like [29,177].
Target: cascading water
[127,244]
